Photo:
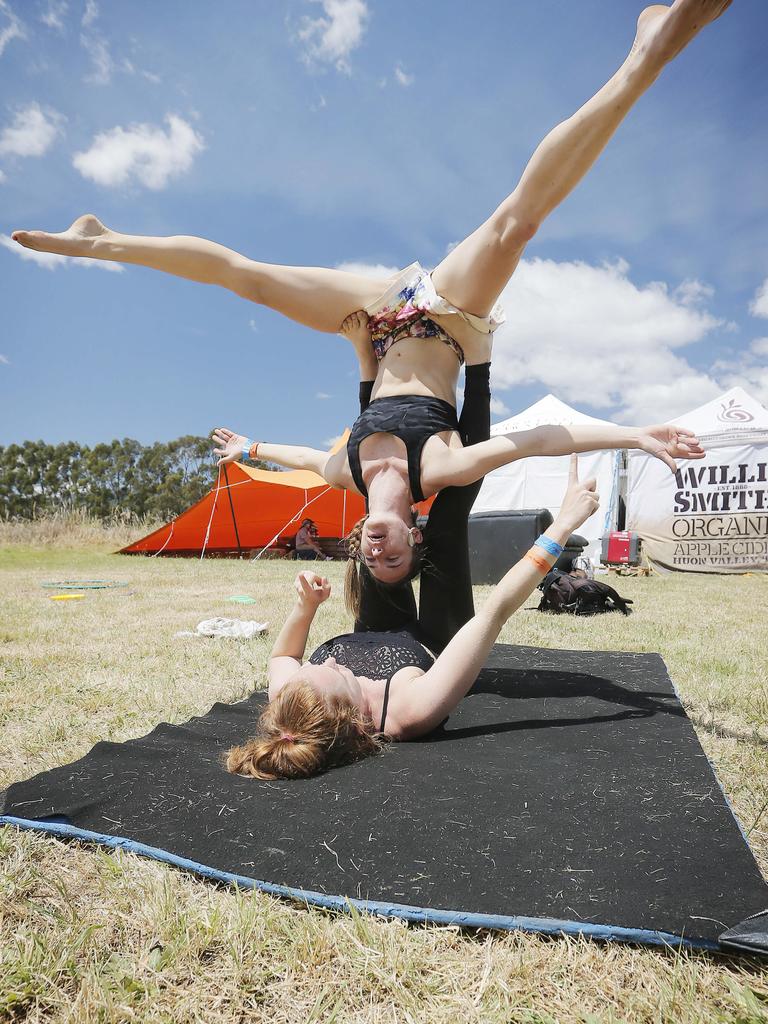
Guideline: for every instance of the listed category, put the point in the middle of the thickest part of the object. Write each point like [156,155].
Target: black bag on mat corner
[578,595]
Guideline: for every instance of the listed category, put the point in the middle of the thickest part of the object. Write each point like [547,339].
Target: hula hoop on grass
[82,584]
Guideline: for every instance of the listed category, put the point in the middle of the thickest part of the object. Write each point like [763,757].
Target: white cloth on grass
[239,629]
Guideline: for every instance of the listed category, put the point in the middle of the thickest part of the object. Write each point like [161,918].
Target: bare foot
[77,240]
[662,32]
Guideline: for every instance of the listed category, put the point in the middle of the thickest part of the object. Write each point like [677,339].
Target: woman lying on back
[360,689]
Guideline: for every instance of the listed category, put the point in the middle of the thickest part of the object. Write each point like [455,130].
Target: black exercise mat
[568,792]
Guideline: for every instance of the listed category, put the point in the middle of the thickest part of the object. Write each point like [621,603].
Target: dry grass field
[90,936]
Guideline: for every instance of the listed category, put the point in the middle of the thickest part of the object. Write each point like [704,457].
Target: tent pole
[232,509]
[213,512]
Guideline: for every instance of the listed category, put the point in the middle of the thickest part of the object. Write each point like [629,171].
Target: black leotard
[412,418]
[376,656]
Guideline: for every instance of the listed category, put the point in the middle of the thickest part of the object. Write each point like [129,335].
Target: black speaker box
[499,539]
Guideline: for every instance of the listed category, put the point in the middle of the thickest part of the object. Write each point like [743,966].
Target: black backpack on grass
[578,595]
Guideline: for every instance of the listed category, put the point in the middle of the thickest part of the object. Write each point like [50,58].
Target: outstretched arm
[458,466]
[416,709]
[285,659]
[231,449]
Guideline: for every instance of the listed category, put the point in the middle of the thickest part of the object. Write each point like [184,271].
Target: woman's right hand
[230,445]
[581,499]
[311,589]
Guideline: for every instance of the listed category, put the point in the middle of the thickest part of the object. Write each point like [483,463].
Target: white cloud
[53,15]
[759,305]
[498,408]
[331,442]
[402,77]
[322,395]
[748,370]
[32,132]
[253,326]
[97,48]
[331,39]
[5,360]
[91,13]
[2,177]
[592,336]
[375,270]
[13,29]
[50,260]
[142,152]
[693,292]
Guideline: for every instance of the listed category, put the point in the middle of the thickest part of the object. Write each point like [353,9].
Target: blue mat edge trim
[421,915]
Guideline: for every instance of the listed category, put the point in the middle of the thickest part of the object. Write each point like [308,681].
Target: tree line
[122,476]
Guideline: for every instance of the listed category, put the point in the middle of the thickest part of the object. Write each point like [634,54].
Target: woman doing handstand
[422,325]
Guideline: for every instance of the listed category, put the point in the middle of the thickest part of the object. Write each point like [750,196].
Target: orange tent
[250,509]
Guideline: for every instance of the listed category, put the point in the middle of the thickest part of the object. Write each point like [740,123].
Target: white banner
[712,516]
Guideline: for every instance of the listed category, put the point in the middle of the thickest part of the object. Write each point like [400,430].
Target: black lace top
[376,656]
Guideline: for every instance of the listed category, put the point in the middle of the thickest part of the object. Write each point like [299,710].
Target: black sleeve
[366,390]
[445,599]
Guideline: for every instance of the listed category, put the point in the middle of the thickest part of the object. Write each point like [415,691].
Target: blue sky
[358,131]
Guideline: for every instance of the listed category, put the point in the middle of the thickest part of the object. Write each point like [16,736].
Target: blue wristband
[247,448]
[549,545]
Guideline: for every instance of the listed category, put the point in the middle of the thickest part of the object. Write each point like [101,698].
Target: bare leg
[473,274]
[314,296]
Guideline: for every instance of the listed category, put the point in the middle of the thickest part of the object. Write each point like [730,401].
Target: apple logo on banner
[733,412]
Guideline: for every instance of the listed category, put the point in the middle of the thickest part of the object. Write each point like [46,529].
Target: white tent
[713,515]
[540,482]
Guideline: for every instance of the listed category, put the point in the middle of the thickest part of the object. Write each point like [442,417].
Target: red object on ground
[621,547]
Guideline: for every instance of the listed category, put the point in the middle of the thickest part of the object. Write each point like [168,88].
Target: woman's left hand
[312,589]
[669,443]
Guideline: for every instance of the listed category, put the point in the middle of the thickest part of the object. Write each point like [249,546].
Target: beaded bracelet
[541,563]
[549,545]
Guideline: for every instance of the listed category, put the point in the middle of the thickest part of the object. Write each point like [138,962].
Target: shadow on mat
[517,685]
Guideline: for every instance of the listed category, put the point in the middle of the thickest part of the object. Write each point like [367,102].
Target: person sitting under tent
[422,321]
[307,547]
[362,688]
